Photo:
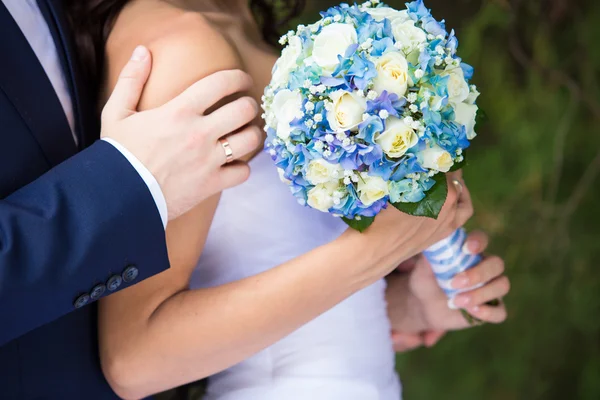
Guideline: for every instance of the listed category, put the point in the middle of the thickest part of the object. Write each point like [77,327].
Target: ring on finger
[228,151]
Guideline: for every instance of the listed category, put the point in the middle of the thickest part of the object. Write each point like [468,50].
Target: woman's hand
[395,237]
[419,309]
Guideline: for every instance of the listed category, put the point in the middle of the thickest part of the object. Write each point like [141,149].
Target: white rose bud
[322,171]
[465,114]
[397,138]
[332,42]
[371,188]
[346,112]
[392,74]
[321,197]
[407,34]
[458,88]
[285,109]
[436,158]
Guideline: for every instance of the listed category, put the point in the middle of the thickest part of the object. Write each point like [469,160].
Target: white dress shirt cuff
[148,179]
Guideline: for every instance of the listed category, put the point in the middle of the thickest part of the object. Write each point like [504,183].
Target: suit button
[130,273]
[97,291]
[82,300]
[114,282]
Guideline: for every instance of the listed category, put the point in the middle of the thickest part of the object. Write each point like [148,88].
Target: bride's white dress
[344,354]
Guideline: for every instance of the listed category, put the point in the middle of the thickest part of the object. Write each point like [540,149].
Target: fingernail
[451,304]
[471,247]
[460,282]
[475,309]
[139,54]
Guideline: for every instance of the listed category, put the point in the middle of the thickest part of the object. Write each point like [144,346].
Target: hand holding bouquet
[369,107]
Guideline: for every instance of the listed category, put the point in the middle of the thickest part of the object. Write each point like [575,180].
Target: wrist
[368,259]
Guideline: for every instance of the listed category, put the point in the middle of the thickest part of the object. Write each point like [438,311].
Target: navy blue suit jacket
[76,224]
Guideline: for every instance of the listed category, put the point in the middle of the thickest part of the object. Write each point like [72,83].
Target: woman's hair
[93,20]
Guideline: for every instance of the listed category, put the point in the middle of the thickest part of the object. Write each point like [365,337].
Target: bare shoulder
[185,48]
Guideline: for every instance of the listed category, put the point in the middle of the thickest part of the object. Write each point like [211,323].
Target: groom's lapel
[86,120]
[27,86]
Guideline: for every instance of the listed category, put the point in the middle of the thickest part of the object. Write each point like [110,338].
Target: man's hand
[178,143]
[418,308]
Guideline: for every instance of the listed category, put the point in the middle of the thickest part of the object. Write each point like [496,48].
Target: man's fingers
[431,338]
[127,93]
[494,315]
[231,117]
[205,93]
[232,174]
[406,341]
[241,143]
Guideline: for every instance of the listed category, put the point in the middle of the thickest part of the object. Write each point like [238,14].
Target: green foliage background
[533,172]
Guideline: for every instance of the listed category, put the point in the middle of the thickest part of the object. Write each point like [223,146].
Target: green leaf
[359,225]
[433,202]
[481,118]
[460,165]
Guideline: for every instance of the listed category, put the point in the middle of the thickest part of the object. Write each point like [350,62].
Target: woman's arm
[158,335]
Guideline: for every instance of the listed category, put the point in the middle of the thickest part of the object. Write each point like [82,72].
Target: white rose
[286,106]
[397,138]
[321,196]
[473,95]
[392,74]
[381,13]
[346,110]
[465,114]
[458,88]
[371,188]
[407,34]
[332,42]
[287,62]
[436,158]
[322,171]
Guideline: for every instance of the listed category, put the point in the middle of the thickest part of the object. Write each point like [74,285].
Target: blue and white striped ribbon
[448,259]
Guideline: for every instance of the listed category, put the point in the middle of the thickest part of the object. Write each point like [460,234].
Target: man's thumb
[127,93]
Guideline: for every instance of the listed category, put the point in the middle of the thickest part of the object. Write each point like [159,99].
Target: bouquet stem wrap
[448,259]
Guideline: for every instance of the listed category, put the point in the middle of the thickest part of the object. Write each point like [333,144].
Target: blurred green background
[533,172]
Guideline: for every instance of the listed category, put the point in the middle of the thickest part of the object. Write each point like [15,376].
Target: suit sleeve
[85,229]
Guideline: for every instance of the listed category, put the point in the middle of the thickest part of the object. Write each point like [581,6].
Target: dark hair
[93,20]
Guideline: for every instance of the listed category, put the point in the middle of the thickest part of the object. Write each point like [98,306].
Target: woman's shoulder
[185,48]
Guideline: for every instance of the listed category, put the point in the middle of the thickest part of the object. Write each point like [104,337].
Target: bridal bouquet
[371,106]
